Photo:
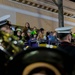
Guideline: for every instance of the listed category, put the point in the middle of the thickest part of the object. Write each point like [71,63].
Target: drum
[40,61]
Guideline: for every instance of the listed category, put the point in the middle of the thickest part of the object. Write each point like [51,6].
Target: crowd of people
[33,36]
[14,40]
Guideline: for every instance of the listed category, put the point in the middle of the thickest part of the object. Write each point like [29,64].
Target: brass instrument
[10,43]
[41,60]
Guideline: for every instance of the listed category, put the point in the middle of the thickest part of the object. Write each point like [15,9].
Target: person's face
[6,28]
[19,33]
[35,36]
[34,28]
[69,37]
[43,32]
[54,34]
[23,34]
[28,33]
[27,25]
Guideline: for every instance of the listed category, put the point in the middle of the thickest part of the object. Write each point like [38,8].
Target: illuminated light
[42,45]
[13,51]
[1,40]
[25,48]
[51,46]
[34,52]
[15,42]
[30,54]
[55,47]
[11,58]
[10,39]
[47,45]
[1,48]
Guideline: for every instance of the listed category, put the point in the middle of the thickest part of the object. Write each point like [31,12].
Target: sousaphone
[41,61]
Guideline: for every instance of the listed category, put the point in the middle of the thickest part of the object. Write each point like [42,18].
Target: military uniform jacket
[68,47]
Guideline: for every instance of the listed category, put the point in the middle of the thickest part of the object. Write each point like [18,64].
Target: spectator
[34,31]
[41,37]
[23,36]
[33,41]
[54,38]
[18,33]
[26,28]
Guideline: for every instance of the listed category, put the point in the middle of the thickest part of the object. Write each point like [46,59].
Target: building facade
[39,13]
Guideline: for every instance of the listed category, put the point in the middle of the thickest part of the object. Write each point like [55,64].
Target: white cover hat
[3,19]
[64,29]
